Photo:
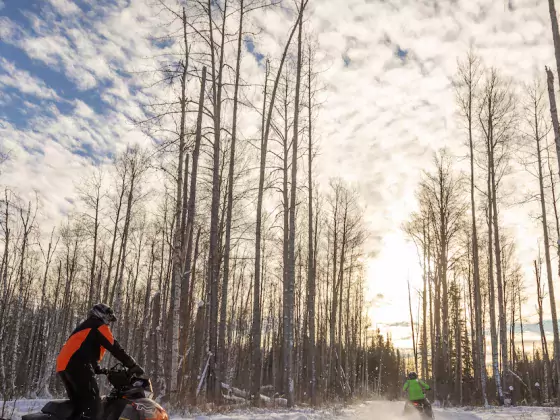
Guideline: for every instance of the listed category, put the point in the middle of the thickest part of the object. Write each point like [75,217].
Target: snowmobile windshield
[130,386]
[140,388]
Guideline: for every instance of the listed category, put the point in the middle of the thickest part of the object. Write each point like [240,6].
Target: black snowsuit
[79,359]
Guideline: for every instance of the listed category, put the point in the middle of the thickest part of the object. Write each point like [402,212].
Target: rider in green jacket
[415,388]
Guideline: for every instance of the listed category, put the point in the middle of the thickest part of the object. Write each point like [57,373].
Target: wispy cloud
[24,82]
[65,7]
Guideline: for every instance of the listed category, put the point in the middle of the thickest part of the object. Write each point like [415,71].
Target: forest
[238,272]
[469,336]
[236,276]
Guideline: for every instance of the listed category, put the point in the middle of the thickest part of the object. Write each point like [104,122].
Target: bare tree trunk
[256,325]
[172,352]
[499,275]
[27,222]
[334,293]
[424,306]
[491,295]
[289,287]
[310,250]
[476,259]
[96,204]
[439,371]
[146,312]
[430,293]
[414,348]
[227,244]
[512,356]
[198,336]
[131,161]
[554,205]
[7,231]
[443,266]
[106,296]
[521,326]
[555,32]
[469,74]
[493,101]
[552,100]
[187,287]
[556,127]
[459,351]
[547,251]
[43,377]
[213,383]
[544,345]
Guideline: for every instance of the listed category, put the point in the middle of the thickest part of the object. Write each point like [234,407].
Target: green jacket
[415,388]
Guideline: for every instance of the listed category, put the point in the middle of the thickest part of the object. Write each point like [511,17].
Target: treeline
[473,286]
[473,292]
[235,275]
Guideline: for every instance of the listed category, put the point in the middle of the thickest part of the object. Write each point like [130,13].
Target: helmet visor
[111,316]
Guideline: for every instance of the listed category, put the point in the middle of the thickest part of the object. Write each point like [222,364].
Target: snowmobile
[425,411]
[130,399]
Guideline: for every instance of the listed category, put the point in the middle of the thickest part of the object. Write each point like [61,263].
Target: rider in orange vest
[79,359]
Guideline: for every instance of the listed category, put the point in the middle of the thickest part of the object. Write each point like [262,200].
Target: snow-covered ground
[512,413]
[383,410]
[372,410]
[15,409]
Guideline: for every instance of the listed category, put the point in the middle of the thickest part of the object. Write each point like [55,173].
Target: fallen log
[235,391]
[267,388]
[240,396]
[234,399]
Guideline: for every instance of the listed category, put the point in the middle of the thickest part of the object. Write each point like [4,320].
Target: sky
[68,91]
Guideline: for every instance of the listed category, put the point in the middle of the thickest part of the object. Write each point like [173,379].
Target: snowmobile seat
[61,409]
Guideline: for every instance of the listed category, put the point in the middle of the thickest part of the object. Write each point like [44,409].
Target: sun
[388,275]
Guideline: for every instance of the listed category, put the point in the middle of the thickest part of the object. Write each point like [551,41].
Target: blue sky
[70,73]
[22,13]
[54,92]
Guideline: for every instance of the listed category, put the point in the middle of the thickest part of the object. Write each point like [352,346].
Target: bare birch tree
[535,109]
[468,78]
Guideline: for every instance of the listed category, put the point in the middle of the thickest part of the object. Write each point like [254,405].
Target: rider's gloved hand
[99,370]
[136,370]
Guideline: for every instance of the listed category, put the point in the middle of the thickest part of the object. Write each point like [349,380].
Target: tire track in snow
[389,410]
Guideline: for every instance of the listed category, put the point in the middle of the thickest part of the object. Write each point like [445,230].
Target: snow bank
[509,413]
[15,409]
[261,415]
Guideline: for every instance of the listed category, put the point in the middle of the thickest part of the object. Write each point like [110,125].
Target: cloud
[83,52]
[65,7]
[24,82]
[398,324]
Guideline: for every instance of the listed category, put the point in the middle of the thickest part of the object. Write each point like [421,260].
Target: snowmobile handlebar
[118,368]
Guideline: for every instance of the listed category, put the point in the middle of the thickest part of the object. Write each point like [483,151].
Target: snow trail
[372,410]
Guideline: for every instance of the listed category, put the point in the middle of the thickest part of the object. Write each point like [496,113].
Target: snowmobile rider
[79,359]
[415,388]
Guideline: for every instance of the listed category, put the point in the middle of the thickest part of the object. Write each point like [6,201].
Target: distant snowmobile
[416,397]
[424,410]
[130,398]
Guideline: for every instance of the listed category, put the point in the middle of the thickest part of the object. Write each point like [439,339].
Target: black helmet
[103,312]
[412,375]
